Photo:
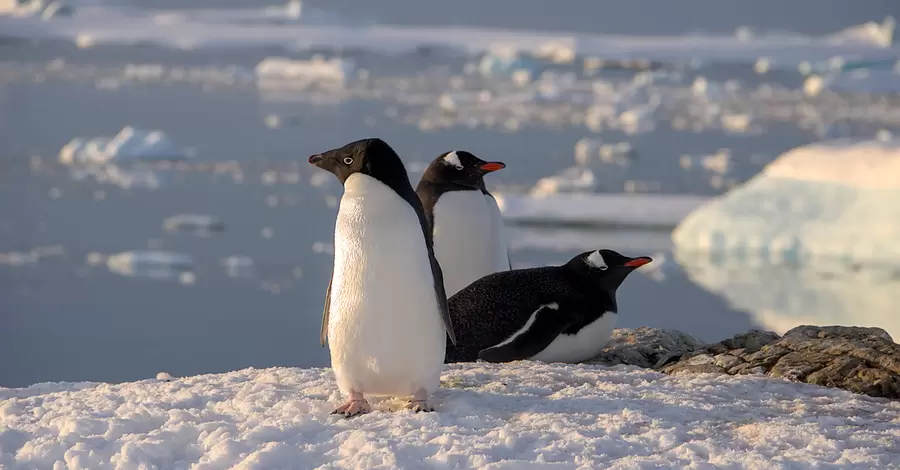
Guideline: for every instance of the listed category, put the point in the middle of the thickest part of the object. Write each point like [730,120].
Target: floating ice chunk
[589,150]
[238,266]
[834,201]
[129,145]
[30,257]
[285,72]
[596,209]
[573,179]
[719,162]
[872,33]
[152,264]
[199,223]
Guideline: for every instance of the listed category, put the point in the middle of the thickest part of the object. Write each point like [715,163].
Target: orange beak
[492,166]
[637,262]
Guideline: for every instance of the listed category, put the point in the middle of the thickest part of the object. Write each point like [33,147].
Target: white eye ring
[348,160]
[603,268]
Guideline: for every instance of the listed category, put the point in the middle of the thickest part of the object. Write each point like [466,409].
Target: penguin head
[373,157]
[605,268]
[460,168]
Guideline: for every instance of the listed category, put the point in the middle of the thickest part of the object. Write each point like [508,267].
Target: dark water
[64,319]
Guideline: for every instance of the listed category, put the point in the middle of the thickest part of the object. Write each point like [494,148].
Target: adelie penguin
[552,314]
[385,317]
[469,242]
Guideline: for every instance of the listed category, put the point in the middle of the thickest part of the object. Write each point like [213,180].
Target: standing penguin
[467,227]
[552,314]
[385,314]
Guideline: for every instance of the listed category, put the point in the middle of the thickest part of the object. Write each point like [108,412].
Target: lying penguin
[553,314]
[469,242]
[385,317]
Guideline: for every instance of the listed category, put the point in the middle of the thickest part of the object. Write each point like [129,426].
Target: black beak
[316,159]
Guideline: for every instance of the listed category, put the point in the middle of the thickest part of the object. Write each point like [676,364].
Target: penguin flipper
[323,333]
[441,295]
[544,325]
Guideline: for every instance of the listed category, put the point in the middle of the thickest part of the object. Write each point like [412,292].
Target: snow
[129,145]
[833,201]
[598,209]
[517,415]
[93,25]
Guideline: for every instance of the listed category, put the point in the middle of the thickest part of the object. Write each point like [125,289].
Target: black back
[375,158]
[491,309]
[441,177]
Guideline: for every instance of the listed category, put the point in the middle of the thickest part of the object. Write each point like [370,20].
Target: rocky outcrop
[861,360]
[646,347]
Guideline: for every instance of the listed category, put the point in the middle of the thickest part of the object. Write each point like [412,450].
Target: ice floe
[150,264]
[829,202]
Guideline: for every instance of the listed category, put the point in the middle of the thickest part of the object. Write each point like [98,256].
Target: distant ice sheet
[657,211]
[831,202]
[225,28]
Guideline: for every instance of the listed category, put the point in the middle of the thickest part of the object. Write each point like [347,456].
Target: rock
[861,360]
[645,347]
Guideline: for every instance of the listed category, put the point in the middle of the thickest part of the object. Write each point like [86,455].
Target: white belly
[385,331]
[468,238]
[584,345]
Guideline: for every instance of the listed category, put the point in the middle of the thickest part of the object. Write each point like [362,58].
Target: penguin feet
[353,408]
[419,406]
[419,402]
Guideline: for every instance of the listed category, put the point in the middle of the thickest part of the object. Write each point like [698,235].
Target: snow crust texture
[517,415]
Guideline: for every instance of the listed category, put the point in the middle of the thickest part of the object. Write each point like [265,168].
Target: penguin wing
[323,333]
[441,295]
[544,325]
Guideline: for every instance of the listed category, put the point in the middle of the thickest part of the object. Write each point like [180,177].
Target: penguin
[469,242]
[552,314]
[385,317]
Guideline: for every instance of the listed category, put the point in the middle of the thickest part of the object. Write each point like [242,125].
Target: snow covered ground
[512,416]
[831,203]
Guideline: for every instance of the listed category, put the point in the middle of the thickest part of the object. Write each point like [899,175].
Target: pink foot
[355,407]
[419,403]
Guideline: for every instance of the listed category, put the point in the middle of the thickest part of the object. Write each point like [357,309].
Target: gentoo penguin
[469,242]
[552,314]
[385,315]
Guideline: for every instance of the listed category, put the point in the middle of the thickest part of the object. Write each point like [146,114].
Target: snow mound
[519,415]
[833,201]
[128,146]
[598,209]
[780,298]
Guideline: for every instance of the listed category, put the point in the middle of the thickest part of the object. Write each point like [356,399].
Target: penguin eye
[348,160]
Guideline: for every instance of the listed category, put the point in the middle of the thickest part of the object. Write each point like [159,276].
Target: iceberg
[130,145]
[824,203]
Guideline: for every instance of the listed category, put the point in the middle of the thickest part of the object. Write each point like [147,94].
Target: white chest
[469,242]
[385,331]
[584,345]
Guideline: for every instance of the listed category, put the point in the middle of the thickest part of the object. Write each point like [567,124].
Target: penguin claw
[418,406]
[353,408]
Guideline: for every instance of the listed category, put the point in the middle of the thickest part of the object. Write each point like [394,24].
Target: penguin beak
[492,166]
[316,159]
[637,262]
